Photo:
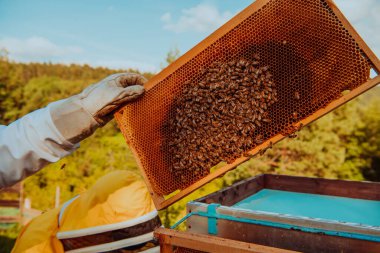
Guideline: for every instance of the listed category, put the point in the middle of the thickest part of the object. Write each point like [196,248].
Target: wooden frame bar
[16,202]
[333,187]
[170,239]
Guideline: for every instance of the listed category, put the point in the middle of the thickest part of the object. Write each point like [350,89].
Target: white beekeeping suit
[48,134]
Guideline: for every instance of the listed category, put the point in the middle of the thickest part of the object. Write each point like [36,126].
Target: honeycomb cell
[312,56]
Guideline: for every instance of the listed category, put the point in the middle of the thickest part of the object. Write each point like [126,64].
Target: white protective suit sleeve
[28,144]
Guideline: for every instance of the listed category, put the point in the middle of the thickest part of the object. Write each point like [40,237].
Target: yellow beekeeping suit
[117,197]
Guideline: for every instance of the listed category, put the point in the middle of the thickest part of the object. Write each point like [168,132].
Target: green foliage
[8,237]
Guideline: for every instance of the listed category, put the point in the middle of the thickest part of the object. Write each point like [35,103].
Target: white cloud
[39,49]
[167,17]
[355,10]
[201,18]
[36,48]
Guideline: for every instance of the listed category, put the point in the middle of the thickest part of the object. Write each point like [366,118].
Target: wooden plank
[13,189]
[9,219]
[342,188]
[209,243]
[166,248]
[369,53]
[9,203]
[235,193]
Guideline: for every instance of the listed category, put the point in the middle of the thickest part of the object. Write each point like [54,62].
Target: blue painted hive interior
[341,209]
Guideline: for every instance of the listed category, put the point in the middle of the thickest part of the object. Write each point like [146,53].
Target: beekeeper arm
[48,134]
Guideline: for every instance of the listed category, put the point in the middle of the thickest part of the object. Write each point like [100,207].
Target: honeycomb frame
[326,56]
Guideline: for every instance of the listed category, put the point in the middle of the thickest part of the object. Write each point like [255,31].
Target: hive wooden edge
[230,195]
[161,204]
[169,238]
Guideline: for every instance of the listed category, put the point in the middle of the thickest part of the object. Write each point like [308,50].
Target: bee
[300,127]
[258,123]
[259,139]
[267,120]
[297,95]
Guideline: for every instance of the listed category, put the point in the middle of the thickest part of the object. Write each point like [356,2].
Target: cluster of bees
[216,118]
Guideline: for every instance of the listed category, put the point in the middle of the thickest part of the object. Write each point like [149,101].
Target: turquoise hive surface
[365,212]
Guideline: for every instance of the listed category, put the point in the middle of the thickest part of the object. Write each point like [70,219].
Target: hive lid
[311,49]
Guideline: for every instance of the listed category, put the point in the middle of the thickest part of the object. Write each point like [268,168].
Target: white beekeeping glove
[78,116]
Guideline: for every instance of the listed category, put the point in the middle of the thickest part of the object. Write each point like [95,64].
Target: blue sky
[136,34]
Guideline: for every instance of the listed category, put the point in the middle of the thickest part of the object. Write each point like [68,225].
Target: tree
[4,53]
[171,56]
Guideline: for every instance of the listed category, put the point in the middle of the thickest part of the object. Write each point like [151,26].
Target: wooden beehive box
[292,213]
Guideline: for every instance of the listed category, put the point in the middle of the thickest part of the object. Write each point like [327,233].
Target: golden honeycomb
[312,56]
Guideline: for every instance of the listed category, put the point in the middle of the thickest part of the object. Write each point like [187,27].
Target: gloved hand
[79,116]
